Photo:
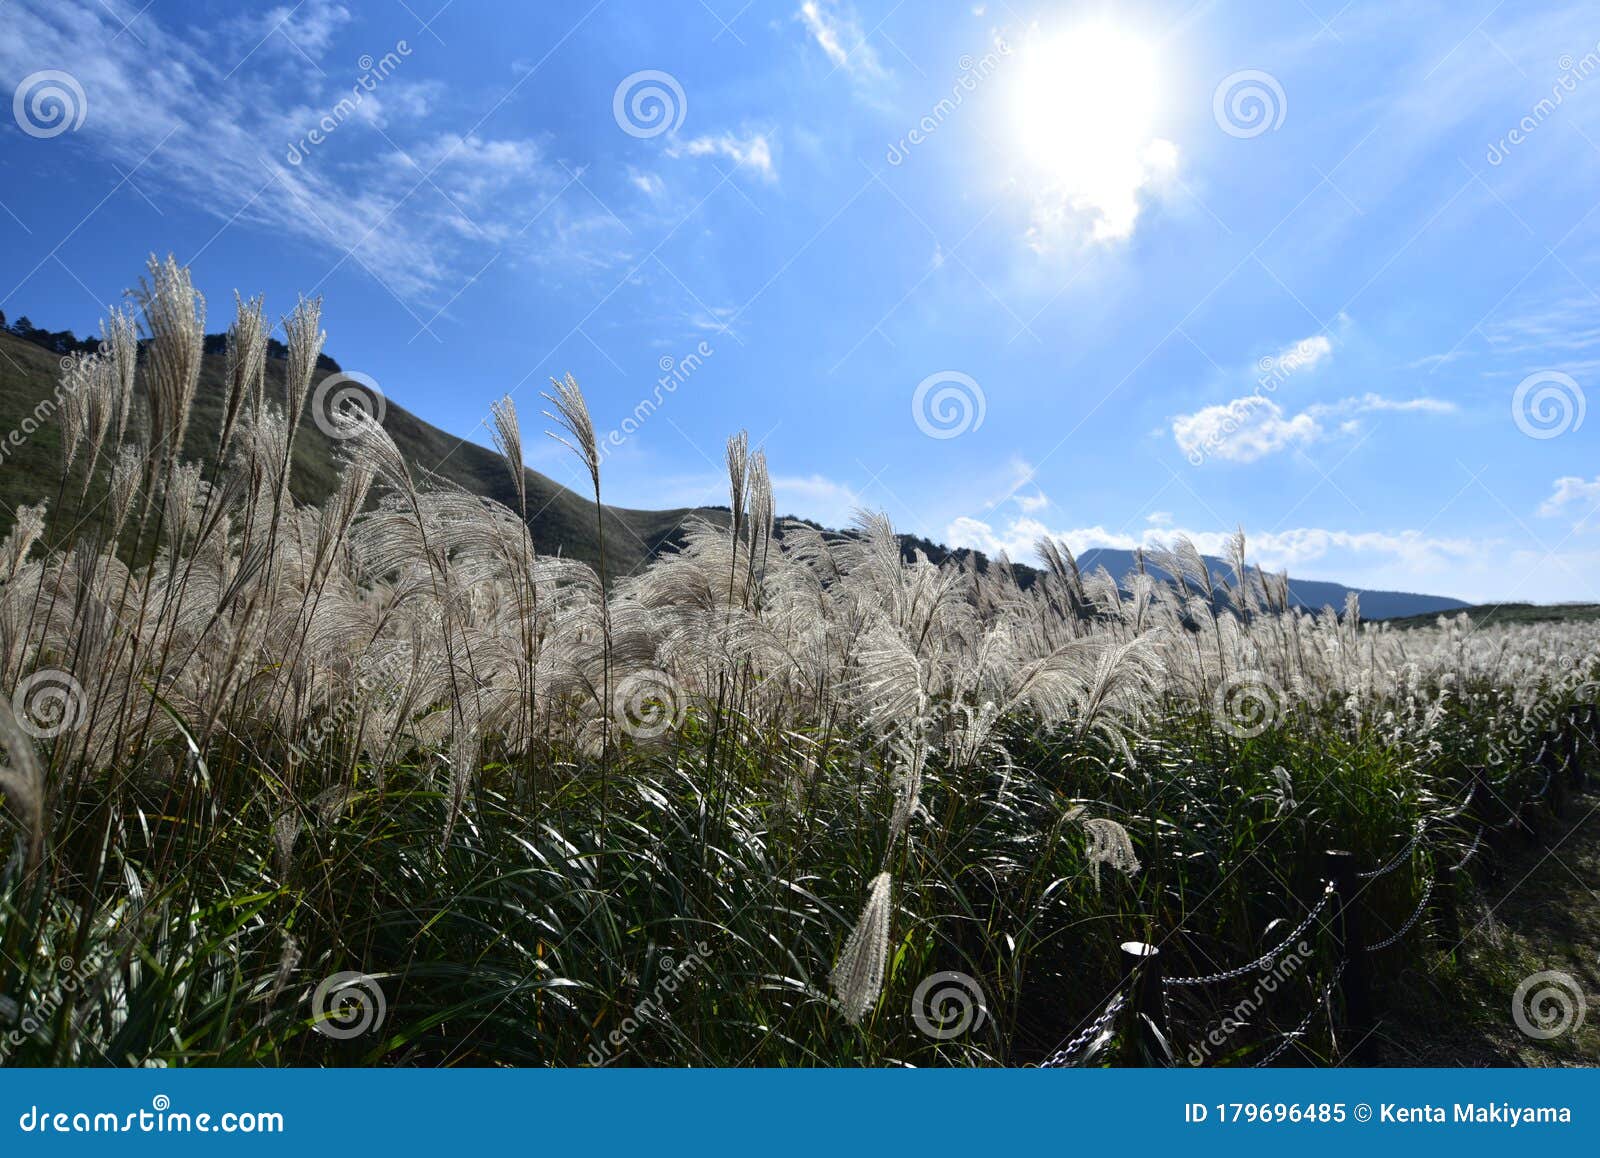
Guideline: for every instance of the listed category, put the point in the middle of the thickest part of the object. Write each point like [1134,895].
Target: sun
[1084,114]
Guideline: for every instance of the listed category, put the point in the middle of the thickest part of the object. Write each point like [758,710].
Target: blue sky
[1328,273]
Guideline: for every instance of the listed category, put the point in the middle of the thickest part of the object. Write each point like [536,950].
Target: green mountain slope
[561,521]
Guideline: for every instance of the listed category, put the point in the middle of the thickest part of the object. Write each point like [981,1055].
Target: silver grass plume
[305,339]
[25,531]
[121,349]
[247,362]
[572,413]
[22,780]
[910,759]
[508,441]
[1109,844]
[858,976]
[738,476]
[124,487]
[175,315]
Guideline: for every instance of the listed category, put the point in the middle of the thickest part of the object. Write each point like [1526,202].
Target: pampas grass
[384,735]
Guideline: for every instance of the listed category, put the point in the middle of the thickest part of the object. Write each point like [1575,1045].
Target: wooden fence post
[1355,987]
[1149,1035]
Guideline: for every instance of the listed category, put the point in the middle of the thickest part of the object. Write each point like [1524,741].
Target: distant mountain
[1312,594]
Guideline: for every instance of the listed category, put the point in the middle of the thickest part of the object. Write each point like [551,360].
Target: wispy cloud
[210,119]
[1572,491]
[752,151]
[836,30]
[1298,547]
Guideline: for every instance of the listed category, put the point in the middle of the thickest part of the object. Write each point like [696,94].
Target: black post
[1451,891]
[1149,1036]
[1572,732]
[1355,987]
[1553,760]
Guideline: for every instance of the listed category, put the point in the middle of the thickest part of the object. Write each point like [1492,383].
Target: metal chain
[1457,810]
[1062,1055]
[1399,858]
[1427,891]
[1299,1031]
[1472,850]
[1266,959]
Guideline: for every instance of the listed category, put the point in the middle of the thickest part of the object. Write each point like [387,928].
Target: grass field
[318,757]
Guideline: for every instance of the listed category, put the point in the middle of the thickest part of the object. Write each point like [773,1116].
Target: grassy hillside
[561,521]
[1483,614]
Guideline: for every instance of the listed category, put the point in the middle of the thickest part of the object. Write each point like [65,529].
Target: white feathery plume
[858,976]
[1109,844]
[22,780]
[508,441]
[572,413]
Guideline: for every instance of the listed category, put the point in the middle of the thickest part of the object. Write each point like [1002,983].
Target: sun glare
[1084,114]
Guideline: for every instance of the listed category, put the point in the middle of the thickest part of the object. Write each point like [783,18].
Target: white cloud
[838,34]
[647,183]
[753,151]
[1291,549]
[1570,490]
[1252,427]
[1244,430]
[1109,195]
[1037,501]
[1159,518]
[833,504]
